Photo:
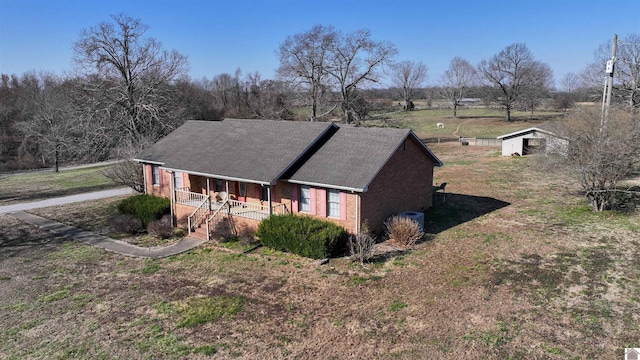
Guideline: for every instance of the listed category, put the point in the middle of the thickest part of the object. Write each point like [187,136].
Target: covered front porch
[217,200]
[199,200]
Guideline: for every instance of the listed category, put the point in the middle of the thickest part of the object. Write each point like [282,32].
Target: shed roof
[546,128]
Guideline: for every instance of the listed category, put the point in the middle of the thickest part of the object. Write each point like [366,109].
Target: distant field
[42,185]
[474,122]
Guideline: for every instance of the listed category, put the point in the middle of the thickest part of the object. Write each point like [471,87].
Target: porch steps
[200,232]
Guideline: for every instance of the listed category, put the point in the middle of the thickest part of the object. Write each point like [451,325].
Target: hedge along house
[247,170]
[541,139]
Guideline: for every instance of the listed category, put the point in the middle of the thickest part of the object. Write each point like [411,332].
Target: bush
[126,223]
[403,230]
[145,207]
[361,245]
[302,235]
[160,228]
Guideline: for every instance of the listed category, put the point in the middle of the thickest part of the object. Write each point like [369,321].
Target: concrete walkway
[106,243]
[65,200]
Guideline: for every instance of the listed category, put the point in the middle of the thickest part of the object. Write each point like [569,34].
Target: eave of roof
[526,131]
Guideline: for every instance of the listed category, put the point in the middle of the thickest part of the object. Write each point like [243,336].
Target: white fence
[481,142]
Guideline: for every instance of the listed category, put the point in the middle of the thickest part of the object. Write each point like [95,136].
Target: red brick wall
[284,192]
[164,189]
[404,184]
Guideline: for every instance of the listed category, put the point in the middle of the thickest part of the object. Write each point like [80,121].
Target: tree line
[126,91]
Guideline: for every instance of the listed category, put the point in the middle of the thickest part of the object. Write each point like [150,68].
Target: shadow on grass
[20,239]
[453,209]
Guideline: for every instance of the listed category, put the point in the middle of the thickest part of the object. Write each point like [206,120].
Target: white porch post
[172,187]
[144,177]
[209,191]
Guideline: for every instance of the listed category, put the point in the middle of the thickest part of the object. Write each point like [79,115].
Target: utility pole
[608,84]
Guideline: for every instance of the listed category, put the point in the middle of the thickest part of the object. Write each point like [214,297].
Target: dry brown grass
[514,267]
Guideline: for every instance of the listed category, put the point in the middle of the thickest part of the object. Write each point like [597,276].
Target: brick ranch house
[250,169]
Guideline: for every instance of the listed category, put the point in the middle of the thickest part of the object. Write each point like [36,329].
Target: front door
[241,191]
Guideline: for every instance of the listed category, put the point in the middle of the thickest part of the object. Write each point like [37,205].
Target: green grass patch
[151,267]
[160,342]
[396,305]
[74,251]
[207,350]
[200,310]
[54,296]
[43,185]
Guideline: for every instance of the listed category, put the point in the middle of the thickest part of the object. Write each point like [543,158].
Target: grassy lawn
[515,267]
[474,122]
[42,185]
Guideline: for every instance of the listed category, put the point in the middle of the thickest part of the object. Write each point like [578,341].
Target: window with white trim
[219,185]
[155,175]
[333,203]
[304,199]
[177,179]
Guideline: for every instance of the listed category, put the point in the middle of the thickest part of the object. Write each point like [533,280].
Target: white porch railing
[216,217]
[186,197]
[248,210]
[201,211]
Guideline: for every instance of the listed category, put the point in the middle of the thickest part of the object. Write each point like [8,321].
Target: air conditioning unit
[414,215]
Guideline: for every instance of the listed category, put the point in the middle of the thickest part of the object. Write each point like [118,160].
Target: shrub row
[302,235]
[145,207]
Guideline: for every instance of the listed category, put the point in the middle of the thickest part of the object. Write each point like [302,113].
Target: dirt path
[455,133]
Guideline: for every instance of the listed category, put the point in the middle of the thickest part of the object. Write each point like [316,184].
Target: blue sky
[221,36]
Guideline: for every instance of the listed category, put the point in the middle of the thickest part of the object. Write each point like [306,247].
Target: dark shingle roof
[264,151]
[252,150]
[352,157]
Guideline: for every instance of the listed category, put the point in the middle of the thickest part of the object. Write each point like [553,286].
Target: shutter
[294,198]
[312,199]
[149,175]
[322,199]
[343,205]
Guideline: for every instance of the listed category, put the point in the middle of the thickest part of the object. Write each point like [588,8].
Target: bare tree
[512,72]
[539,86]
[600,156]
[356,61]
[569,84]
[456,80]
[51,126]
[408,76]
[304,59]
[135,76]
[626,71]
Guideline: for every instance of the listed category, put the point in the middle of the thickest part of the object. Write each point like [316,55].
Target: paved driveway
[65,200]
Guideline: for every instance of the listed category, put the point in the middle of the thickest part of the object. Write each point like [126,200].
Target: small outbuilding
[539,139]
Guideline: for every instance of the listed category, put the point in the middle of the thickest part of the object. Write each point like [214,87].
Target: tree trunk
[55,159]
[455,110]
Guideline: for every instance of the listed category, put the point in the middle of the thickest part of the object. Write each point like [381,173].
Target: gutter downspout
[357,213]
[172,188]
